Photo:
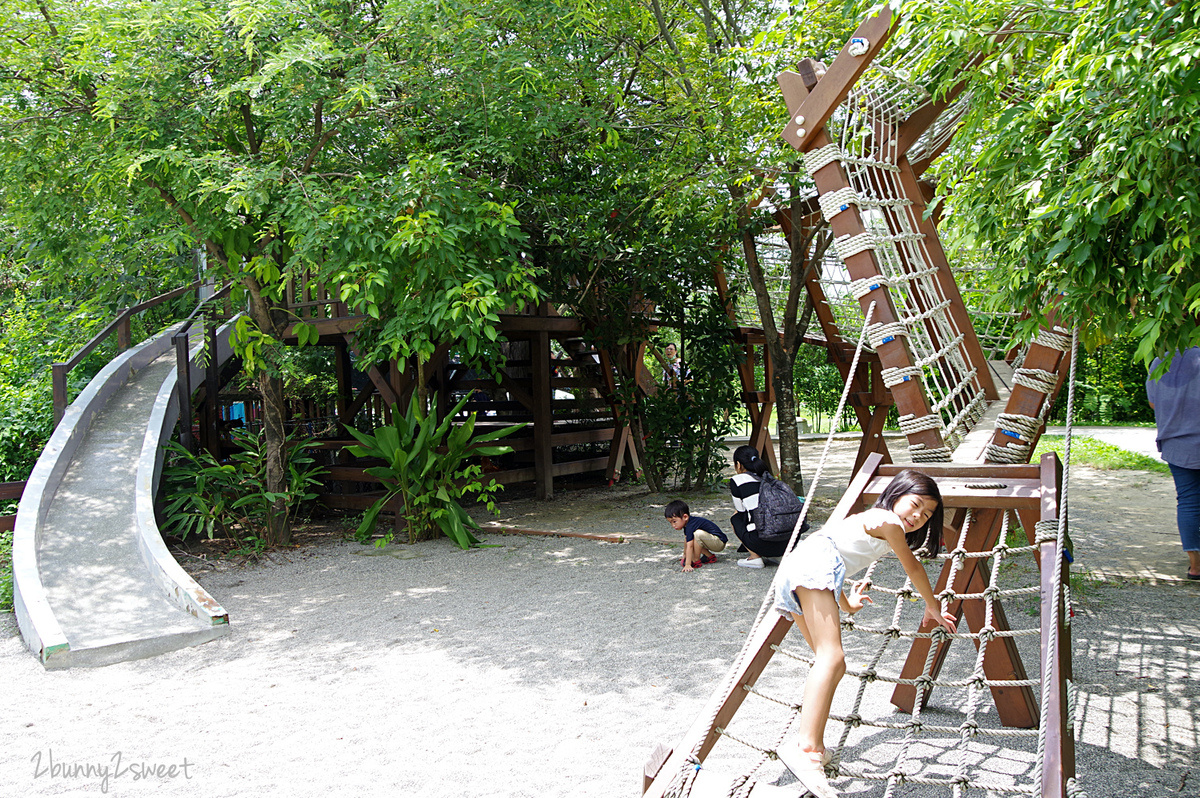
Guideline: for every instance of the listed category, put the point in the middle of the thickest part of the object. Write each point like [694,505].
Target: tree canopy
[1078,168]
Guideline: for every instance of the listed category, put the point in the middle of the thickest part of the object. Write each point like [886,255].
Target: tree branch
[248,121]
[214,251]
[323,139]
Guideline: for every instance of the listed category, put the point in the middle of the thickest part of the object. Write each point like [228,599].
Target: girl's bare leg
[821,626]
[822,629]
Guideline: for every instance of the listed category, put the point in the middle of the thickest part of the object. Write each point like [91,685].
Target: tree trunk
[270,319]
[279,528]
[784,340]
[785,418]
[649,468]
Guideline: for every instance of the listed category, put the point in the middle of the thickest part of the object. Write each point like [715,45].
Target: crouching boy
[702,538]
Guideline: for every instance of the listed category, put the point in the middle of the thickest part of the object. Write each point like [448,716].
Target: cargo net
[954,745]
[864,142]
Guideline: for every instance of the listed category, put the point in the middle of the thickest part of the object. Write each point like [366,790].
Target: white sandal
[808,767]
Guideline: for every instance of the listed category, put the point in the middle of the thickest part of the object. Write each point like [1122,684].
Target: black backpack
[777,511]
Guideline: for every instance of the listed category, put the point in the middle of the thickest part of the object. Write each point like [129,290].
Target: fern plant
[427,465]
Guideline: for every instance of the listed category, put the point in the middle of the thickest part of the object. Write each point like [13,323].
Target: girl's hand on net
[944,619]
[858,596]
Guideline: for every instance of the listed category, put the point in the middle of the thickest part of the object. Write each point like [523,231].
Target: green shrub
[426,465]
[6,587]
[207,498]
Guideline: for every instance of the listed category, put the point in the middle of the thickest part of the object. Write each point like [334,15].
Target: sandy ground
[551,666]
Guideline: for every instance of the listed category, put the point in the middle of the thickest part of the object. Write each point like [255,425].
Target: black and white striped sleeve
[744,490]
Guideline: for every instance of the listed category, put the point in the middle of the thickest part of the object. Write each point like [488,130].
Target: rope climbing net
[954,746]
[865,143]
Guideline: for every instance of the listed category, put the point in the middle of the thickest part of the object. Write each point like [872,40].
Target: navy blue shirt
[694,523]
[1176,400]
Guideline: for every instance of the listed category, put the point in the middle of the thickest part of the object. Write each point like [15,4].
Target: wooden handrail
[60,371]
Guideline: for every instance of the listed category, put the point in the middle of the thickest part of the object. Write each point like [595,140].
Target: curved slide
[93,583]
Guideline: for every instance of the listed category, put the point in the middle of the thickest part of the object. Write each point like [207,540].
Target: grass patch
[1098,454]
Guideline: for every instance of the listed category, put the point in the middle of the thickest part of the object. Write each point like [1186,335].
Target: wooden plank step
[973,448]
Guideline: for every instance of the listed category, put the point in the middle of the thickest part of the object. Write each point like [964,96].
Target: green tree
[264,129]
[1077,168]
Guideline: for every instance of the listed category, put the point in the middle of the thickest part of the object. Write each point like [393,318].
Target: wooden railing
[60,371]
[9,491]
[181,342]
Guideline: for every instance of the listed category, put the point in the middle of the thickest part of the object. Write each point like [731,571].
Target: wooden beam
[910,396]
[1015,708]
[945,279]
[810,112]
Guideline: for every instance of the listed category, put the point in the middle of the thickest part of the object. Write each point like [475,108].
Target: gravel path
[544,666]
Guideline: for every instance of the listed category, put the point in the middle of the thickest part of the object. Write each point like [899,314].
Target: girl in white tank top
[906,517]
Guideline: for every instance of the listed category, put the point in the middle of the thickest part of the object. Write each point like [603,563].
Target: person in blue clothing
[702,538]
[1175,398]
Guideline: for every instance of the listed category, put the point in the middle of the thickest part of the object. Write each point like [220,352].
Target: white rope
[880,334]
[894,376]
[837,201]
[1056,590]
[911,424]
[818,159]
[860,288]
[849,246]
[1037,379]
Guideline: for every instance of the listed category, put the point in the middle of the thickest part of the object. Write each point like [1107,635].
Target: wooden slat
[958,492]
[11,490]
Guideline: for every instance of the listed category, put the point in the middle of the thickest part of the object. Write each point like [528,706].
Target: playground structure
[866,132]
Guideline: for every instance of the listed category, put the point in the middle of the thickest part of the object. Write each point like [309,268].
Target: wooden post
[345,387]
[1058,763]
[58,380]
[183,366]
[543,417]
[212,390]
[124,332]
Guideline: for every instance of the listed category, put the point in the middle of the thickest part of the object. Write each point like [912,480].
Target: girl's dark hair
[928,537]
[749,459]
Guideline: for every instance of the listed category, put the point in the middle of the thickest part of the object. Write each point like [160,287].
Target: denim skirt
[814,564]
